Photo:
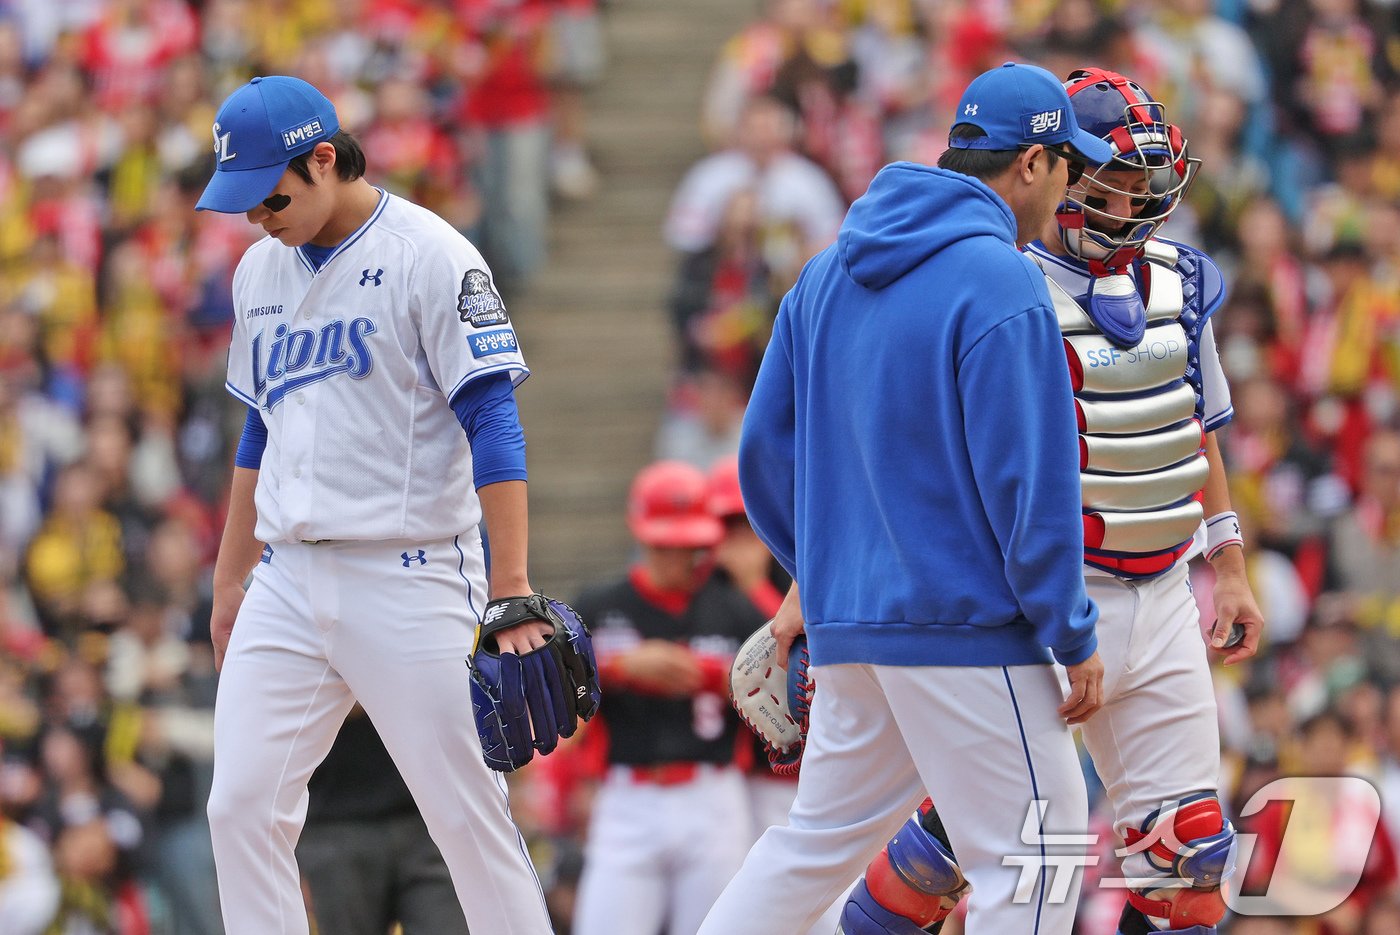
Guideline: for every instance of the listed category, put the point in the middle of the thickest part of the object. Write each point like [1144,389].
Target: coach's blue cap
[262,127]
[1017,105]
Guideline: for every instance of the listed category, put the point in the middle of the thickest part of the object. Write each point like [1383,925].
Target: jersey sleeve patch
[493,342]
[478,303]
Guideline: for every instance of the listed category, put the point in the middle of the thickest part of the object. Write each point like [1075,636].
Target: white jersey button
[301,399]
[297,472]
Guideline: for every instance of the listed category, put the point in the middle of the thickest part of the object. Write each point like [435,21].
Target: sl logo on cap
[221,144]
[1045,122]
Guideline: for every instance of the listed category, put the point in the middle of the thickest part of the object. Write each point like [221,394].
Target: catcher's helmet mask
[1124,115]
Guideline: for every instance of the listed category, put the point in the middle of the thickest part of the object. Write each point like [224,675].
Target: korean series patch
[478,303]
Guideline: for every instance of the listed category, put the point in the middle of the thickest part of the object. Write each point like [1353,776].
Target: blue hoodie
[909,450]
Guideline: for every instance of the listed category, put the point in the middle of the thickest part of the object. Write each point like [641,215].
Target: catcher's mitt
[773,701]
[526,703]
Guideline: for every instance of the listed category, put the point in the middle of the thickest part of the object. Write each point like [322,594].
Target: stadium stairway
[593,324]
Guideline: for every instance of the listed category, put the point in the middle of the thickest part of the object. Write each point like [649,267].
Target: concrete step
[594,324]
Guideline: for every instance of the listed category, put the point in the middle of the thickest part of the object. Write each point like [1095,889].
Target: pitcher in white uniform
[378,364]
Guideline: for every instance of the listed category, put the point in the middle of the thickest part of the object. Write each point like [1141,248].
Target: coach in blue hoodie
[904,456]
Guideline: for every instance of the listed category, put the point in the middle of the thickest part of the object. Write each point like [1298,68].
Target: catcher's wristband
[1222,530]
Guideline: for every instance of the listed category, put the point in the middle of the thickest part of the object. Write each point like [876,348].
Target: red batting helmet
[668,508]
[725,498]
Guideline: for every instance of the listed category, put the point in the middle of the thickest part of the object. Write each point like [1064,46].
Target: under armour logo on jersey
[369,277]
[221,144]
[408,560]
[970,110]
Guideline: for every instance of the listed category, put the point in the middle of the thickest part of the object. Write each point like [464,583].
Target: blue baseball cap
[260,128]
[1017,105]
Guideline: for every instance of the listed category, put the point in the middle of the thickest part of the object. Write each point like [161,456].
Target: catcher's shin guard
[1192,843]
[911,886]
[1133,922]
[863,915]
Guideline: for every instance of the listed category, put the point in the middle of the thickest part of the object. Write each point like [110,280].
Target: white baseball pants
[985,742]
[1157,737]
[771,798]
[384,623]
[658,855]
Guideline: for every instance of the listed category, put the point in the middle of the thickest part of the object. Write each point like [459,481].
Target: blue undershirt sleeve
[252,442]
[486,408]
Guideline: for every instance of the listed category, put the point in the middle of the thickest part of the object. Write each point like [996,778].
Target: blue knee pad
[1212,858]
[862,915]
[1204,841]
[923,862]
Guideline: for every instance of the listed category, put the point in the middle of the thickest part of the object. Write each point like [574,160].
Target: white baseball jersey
[352,368]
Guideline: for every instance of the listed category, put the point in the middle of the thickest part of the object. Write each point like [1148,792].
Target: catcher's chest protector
[1140,412]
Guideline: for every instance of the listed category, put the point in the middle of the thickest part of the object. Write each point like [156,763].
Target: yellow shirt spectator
[280,29]
[63,296]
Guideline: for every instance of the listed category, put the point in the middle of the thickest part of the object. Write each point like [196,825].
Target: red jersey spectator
[126,49]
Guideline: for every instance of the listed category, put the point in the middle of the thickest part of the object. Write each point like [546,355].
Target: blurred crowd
[116,432]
